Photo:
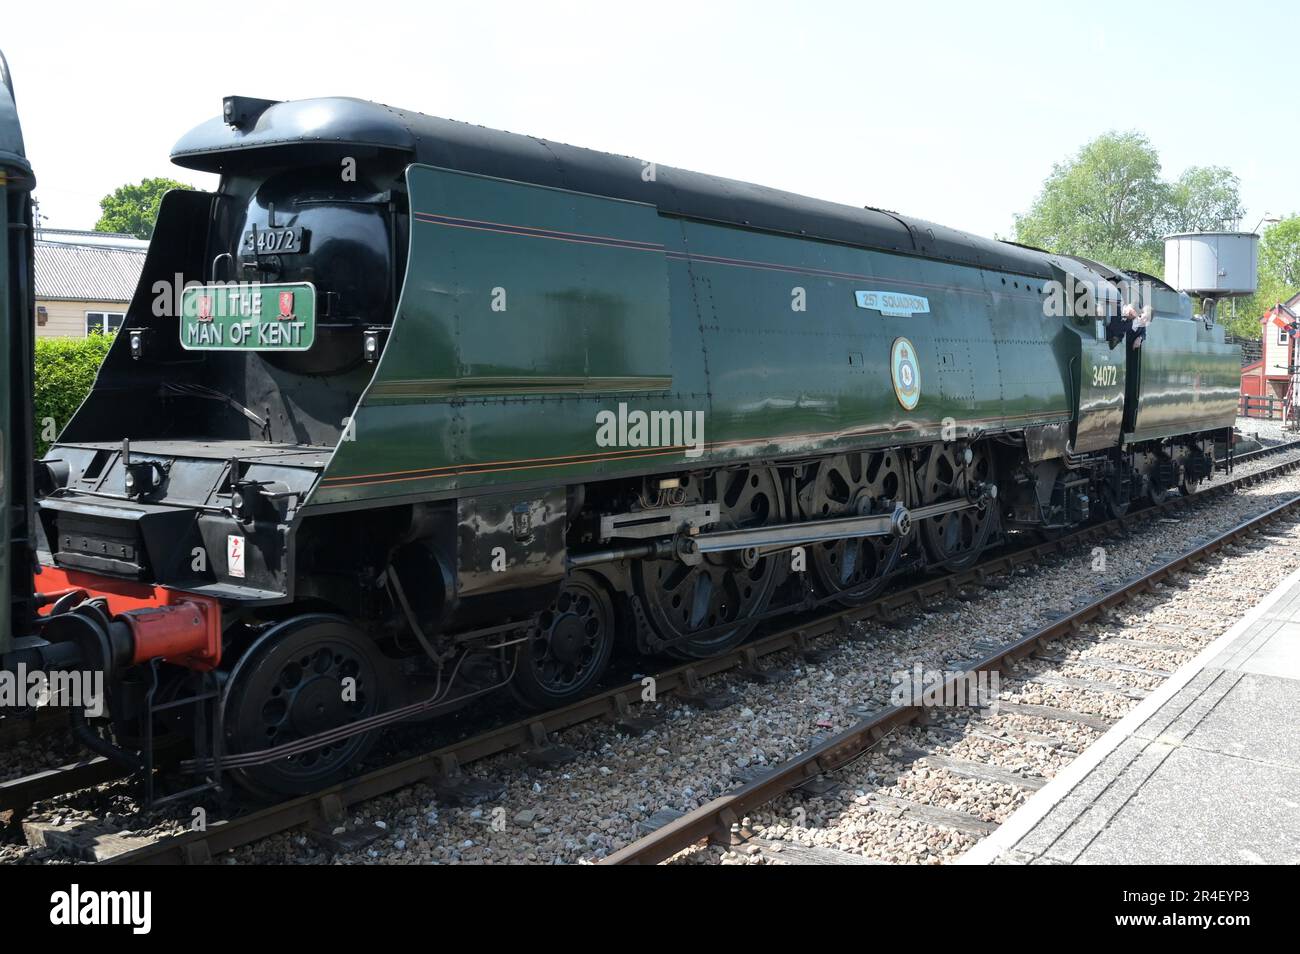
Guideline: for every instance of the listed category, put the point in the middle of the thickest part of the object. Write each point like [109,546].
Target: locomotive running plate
[248,316]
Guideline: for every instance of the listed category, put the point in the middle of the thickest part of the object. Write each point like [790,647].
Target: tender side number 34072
[1104,375]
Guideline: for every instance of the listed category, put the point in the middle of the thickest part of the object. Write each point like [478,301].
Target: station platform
[1206,770]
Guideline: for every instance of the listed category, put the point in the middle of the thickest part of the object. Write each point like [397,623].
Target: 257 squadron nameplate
[248,317]
[893,304]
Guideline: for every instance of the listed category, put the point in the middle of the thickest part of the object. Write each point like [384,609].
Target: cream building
[84,280]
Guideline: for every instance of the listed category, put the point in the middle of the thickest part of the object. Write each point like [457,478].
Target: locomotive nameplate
[248,316]
[893,304]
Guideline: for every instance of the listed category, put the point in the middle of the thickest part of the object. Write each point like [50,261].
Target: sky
[953,112]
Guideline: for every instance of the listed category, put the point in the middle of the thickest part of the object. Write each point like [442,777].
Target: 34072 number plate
[276,241]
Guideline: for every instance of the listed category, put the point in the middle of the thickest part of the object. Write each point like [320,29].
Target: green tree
[1109,203]
[133,208]
[1279,252]
[1279,278]
[1104,203]
[1204,199]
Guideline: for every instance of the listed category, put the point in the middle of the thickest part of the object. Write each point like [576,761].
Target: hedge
[65,370]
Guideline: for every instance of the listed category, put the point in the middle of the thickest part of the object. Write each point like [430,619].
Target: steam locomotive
[408,411]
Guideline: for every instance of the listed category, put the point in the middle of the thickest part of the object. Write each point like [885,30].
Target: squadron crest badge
[905,373]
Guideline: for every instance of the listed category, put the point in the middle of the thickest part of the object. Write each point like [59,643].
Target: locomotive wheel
[848,485]
[954,541]
[723,587]
[290,685]
[568,652]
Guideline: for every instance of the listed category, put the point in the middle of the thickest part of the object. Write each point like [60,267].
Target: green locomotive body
[760,333]
[448,409]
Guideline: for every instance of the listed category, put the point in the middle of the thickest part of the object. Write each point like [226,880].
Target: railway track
[720,820]
[533,736]
[1264,451]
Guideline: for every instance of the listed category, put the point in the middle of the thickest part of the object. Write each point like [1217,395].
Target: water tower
[1212,265]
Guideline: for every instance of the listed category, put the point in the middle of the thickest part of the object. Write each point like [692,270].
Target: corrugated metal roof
[84,237]
[87,272]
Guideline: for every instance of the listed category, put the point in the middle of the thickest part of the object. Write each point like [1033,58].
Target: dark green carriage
[16,318]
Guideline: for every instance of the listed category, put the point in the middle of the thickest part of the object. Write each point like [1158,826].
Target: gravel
[1267,432]
[1193,617]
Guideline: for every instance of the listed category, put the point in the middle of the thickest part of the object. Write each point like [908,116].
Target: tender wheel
[1112,506]
[1158,489]
[569,651]
[1166,470]
[1186,486]
[723,588]
[854,570]
[954,541]
[306,675]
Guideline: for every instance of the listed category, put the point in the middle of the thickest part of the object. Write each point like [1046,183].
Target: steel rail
[1262,451]
[329,806]
[714,821]
[17,795]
